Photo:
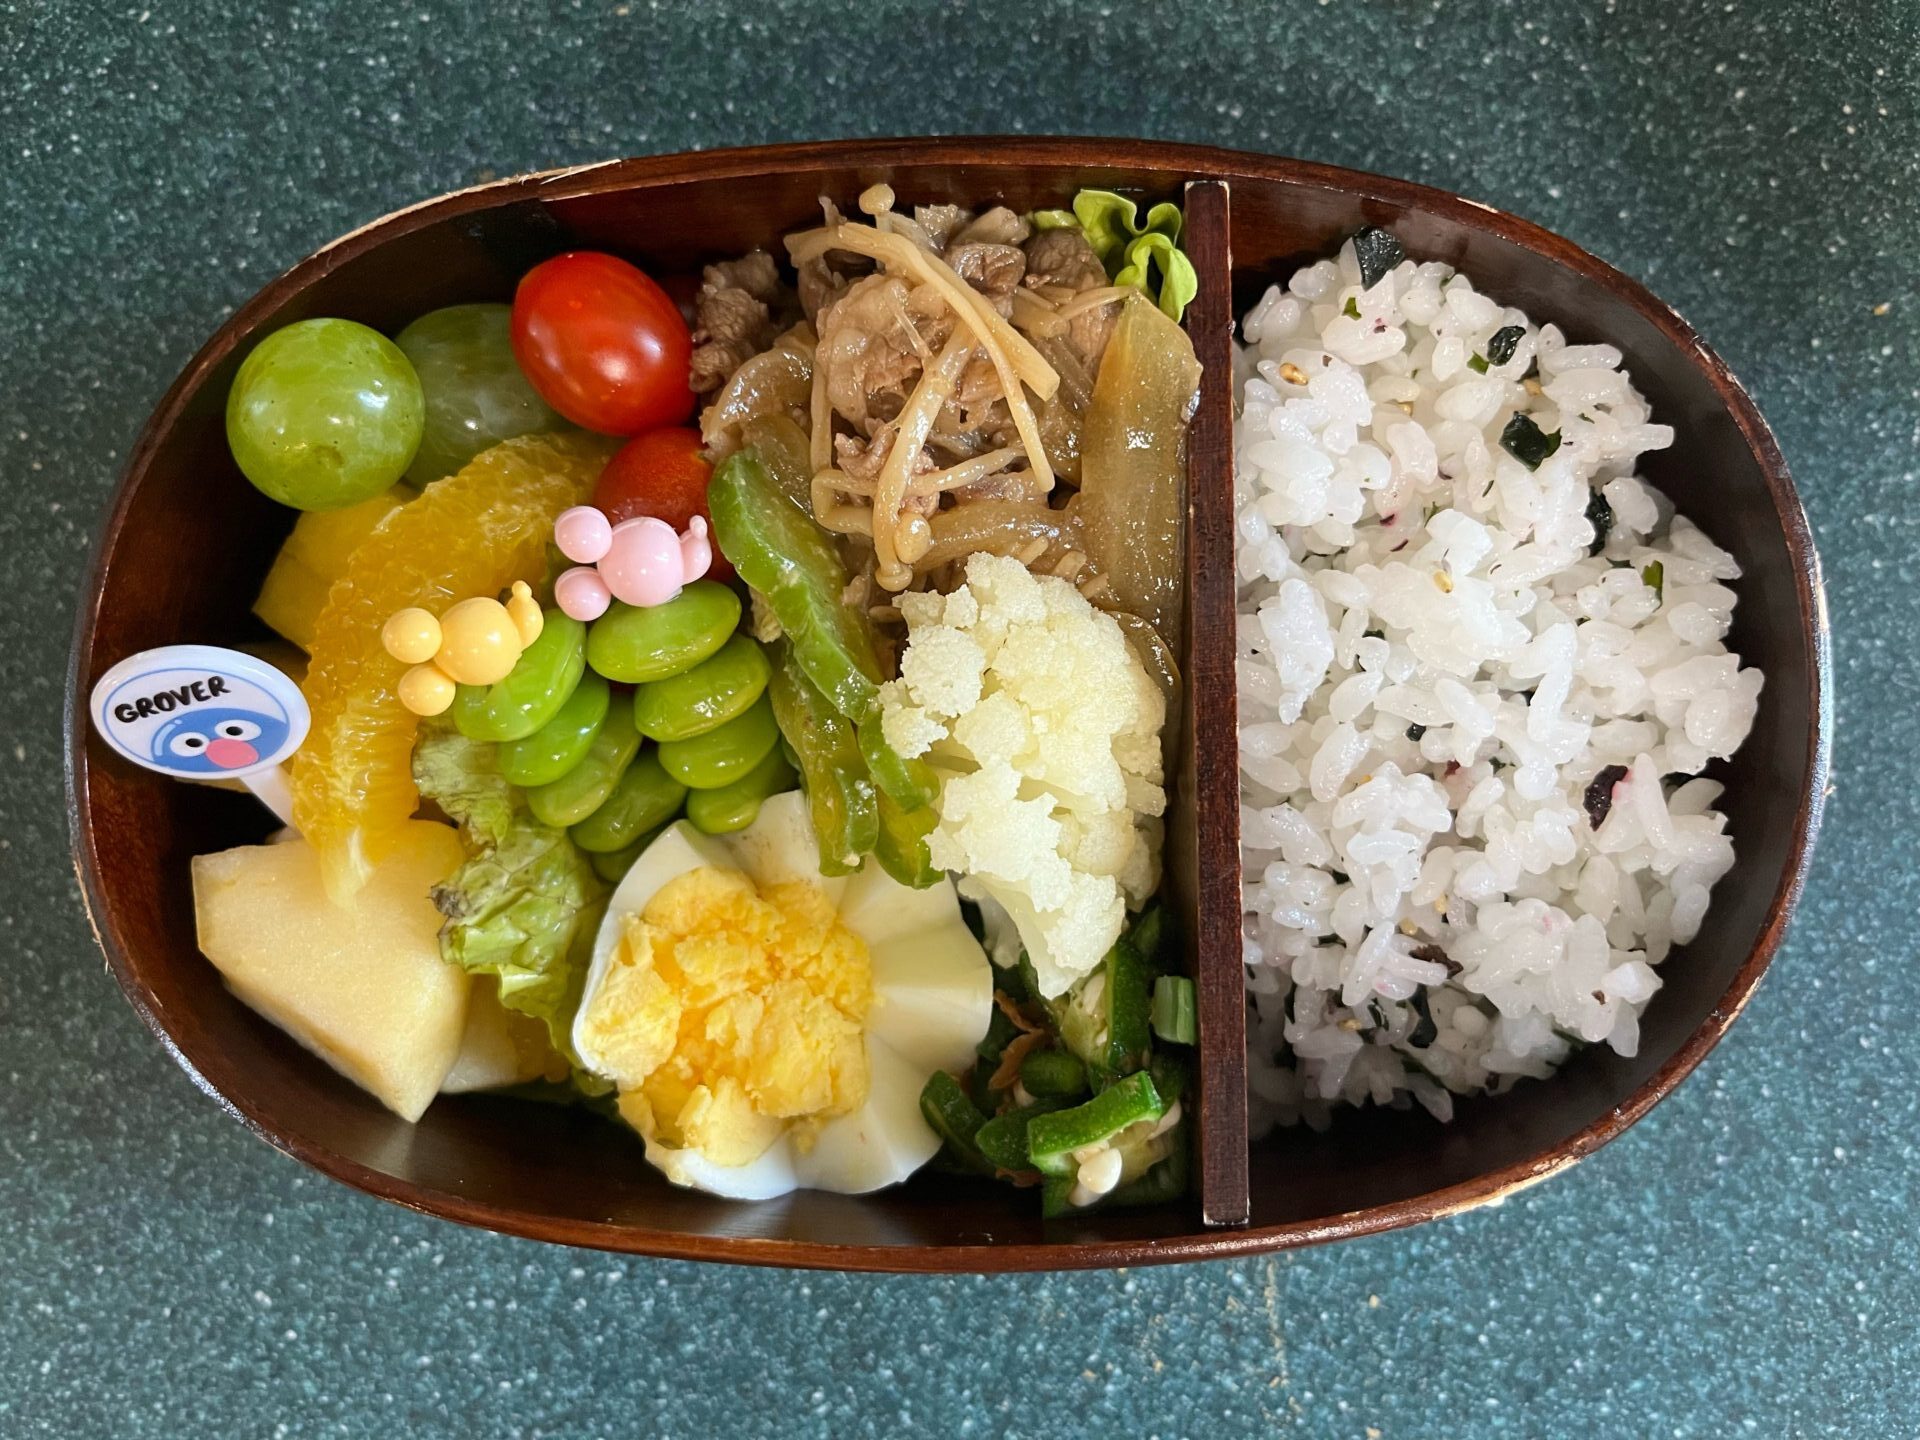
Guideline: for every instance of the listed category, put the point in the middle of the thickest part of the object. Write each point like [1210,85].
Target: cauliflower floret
[962,610]
[907,727]
[1045,729]
[943,669]
[986,832]
[998,728]
[1062,940]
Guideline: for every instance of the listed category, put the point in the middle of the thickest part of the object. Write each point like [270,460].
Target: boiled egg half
[769,1028]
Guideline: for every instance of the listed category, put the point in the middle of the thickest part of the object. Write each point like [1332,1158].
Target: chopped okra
[1087,1091]
[1054,1141]
[1174,1018]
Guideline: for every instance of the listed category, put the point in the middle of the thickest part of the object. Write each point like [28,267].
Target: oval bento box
[171,566]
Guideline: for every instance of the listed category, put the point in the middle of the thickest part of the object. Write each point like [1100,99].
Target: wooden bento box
[170,565]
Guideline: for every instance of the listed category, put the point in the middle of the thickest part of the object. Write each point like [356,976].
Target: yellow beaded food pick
[477,642]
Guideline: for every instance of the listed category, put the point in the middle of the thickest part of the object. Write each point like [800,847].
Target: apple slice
[364,988]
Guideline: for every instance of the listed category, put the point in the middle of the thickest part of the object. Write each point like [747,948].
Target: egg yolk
[729,1015]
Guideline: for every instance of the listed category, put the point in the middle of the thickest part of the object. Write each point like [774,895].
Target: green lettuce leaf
[1143,254]
[525,906]
[1160,268]
[1112,222]
[463,778]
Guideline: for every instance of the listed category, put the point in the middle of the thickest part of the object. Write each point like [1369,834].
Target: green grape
[324,414]
[476,395]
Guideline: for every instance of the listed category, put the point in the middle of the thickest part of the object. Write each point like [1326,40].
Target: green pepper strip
[784,554]
[840,793]
[910,782]
[1052,1139]
[907,790]
[901,845]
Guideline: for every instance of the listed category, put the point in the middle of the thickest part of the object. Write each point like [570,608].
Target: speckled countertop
[1741,1263]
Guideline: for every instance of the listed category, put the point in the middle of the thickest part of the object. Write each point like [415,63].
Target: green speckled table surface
[1741,1263]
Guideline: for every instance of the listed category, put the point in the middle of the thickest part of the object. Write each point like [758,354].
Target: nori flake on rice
[1600,516]
[1599,796]
[1527,442]
[1428,765]
[1504,342]
[1376,252]
[1426,1032]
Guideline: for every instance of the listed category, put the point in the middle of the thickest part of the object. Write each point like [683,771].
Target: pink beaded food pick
[637,562]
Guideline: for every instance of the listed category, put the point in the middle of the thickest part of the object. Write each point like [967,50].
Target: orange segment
[473,533]
[315,555]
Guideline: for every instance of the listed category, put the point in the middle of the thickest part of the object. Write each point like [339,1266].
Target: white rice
[1399,568]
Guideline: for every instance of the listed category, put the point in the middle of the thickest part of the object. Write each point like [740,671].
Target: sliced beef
[1063,260]
[993,270]
[867,351]
[734,316]
[939,222]
[1063,257]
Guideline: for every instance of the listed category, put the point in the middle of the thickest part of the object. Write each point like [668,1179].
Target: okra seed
[1101,1172]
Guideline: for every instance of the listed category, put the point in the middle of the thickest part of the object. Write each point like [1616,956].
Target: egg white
[932,1001]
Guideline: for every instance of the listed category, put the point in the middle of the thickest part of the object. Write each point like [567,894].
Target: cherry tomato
[602,343]
[663,474]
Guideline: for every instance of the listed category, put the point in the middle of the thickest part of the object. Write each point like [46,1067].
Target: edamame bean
[736,806]
[635,645]
[612,866]
[562,743]
[585,788]
[645,799]
[546,673]
[723,755]
[705,697]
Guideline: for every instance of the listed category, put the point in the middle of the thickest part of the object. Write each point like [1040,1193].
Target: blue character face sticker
[217,741]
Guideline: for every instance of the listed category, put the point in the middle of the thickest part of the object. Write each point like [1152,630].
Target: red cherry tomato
[602,343]
[663,474]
